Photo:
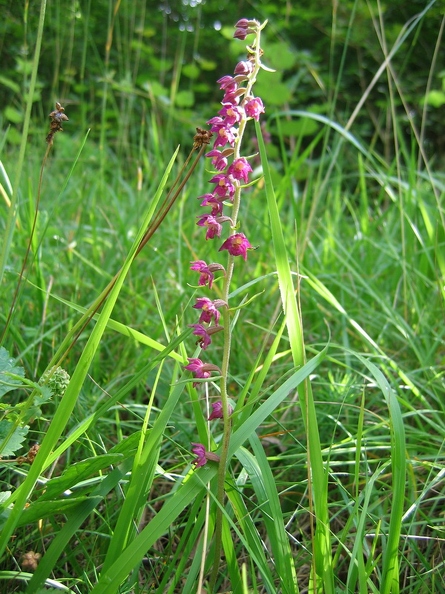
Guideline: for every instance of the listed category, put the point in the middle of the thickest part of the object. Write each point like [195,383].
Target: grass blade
[318,476]
[66,406]
[193,486]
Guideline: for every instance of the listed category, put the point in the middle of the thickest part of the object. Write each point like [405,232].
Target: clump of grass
[335,473]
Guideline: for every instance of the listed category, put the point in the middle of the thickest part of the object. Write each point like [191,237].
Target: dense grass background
[359,198]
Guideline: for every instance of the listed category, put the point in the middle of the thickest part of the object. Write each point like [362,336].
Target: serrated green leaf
[7,366]
[15,439]
[43,394]
[4,496]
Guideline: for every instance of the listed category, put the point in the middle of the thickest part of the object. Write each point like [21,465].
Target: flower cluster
[57,380]
[232,172]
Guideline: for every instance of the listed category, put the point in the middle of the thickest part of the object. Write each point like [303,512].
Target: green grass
[337,454]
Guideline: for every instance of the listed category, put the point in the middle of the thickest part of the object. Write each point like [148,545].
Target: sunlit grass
[364,240]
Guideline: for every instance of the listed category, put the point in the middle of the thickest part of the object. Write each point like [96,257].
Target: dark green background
[157,46]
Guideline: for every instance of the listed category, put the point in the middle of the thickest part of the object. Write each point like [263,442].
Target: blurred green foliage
[115,64]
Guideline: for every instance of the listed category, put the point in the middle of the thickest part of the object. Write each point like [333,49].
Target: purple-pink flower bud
[233,97]
[240,169]
[224,136]
[196,367]
[243,23]
[209,309]
[245,67]
[242,33]
[254,107]
[232,114]
[227,82]
[204,337]
[201,370]
[214,202]
[219,160]
[217,411]
[204,334]
[237,245]
[213,226]
[217,122]
[203,455]
[206,276]
[224,185]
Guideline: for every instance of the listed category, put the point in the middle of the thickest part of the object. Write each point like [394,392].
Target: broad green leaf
[435,98]
[15,439]
[7,366]
[77,473]
[279,56]
[191,71]
[194,485]
[185,99]
[39,510]
[13,115]
[7,82]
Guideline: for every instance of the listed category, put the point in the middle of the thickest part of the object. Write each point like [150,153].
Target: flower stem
[227,423]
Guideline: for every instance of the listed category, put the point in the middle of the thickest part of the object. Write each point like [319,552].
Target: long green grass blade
[13,208]
[66,406]
[268,502]
[322,542]
[195,484]
[398,466]
[72,525]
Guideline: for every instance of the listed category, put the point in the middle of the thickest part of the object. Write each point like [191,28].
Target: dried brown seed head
[201,137]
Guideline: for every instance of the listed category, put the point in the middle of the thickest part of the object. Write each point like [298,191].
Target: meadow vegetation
[330,468]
